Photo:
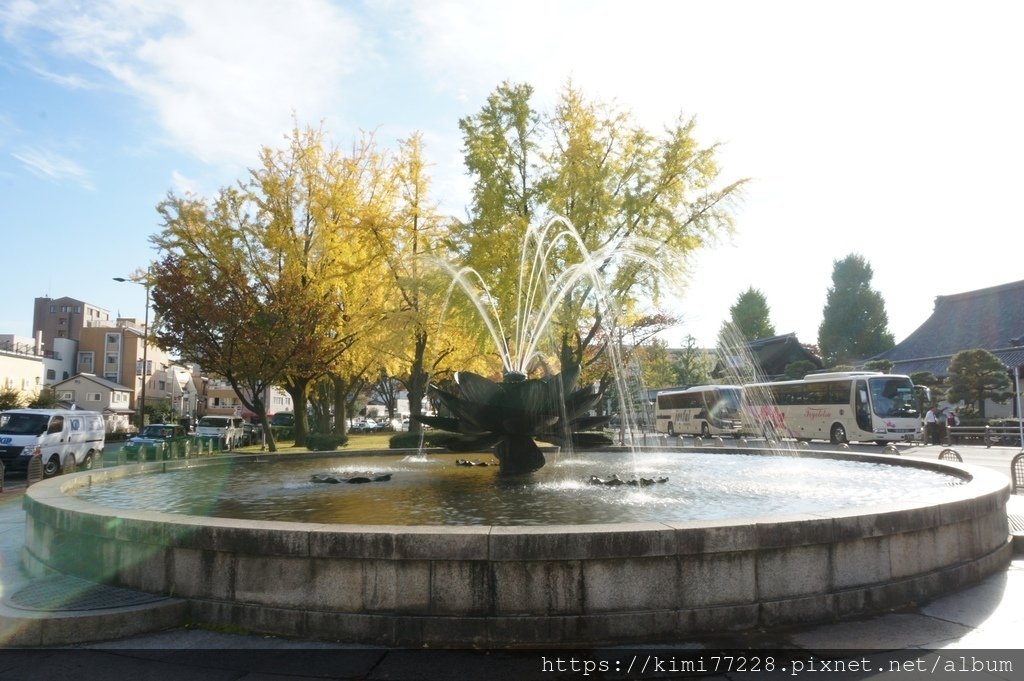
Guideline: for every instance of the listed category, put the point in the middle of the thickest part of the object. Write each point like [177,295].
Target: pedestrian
[952,421]
[931,427]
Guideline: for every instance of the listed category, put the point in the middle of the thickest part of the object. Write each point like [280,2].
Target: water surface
[432,490]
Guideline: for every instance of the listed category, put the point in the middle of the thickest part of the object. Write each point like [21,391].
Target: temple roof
[989,318]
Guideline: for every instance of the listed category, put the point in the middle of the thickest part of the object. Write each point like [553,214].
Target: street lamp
[1016,343]
[145,349]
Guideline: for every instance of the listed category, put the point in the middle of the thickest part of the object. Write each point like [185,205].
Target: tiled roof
[989,318]
[110,385]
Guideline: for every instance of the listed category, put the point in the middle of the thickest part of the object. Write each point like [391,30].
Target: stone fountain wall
[508,586]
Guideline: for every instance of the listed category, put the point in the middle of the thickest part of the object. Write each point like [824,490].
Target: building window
[67,395]
[110,376]
[78,309]
[92,397]
[161,386]
[85,362]
[51,375]
[112,338]
[53,309]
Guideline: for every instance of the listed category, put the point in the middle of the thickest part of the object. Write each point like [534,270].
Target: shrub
[431,438]
[325,442]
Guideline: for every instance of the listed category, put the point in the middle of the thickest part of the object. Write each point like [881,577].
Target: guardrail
[989,435]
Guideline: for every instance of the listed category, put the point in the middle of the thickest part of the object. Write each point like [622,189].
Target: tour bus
[703,410]
[838,407]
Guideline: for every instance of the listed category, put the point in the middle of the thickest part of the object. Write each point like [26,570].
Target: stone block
[699,621]
[793,572]
[809,530]
[538,587]
[202,574]
[698,538]
[460,588]
[863,561]
[913,553]
[399,586]
[816,608]
[629,584]
[581,542]
[716,579]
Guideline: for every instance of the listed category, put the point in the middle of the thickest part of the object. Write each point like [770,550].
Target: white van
[59,436]
[226,430]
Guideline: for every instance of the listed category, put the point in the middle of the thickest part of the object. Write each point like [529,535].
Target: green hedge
[325,442]
[976,422]
[431,438]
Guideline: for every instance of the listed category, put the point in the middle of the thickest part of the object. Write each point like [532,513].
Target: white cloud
[182,184]
[221,78]
[51,165]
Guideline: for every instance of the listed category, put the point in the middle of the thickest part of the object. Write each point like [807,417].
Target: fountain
[509,415]
[582,577]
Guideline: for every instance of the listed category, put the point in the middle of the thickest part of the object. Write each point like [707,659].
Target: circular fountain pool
[434,490]
[486,573]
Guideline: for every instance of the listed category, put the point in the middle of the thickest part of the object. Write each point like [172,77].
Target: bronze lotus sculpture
[510,415]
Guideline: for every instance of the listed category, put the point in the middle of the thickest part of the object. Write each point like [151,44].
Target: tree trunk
[340,406]
[417,385]
[298,388]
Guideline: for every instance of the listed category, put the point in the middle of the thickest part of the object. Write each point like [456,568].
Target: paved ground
[980,625]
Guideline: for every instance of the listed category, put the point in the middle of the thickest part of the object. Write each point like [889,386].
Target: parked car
[364,425]
[159,441]
[225,431]
[283,418]
[251,433]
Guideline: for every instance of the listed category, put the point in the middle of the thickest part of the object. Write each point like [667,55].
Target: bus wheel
[705,432]
[87,462]
[838,434]
[671,430]
[51,467]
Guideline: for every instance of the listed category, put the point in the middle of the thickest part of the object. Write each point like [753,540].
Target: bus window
[862,410]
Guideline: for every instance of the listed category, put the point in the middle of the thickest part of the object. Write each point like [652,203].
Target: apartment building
[21,365]
[222,400]
[64,318]
[114,351]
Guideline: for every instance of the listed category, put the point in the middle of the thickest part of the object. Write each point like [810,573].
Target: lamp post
[145,349]
[1020,417]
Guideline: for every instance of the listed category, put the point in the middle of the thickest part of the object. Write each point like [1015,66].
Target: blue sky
[888,129]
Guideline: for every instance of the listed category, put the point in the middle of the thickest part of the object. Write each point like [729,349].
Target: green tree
[693,365]
[799,369]
[625,191]
[749,316]
[854,324]
[264,285]
[212,308]
[11,398]
[881,365]
[976,376]
[418,235]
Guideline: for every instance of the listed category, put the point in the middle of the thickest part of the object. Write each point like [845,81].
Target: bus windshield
[892,396]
